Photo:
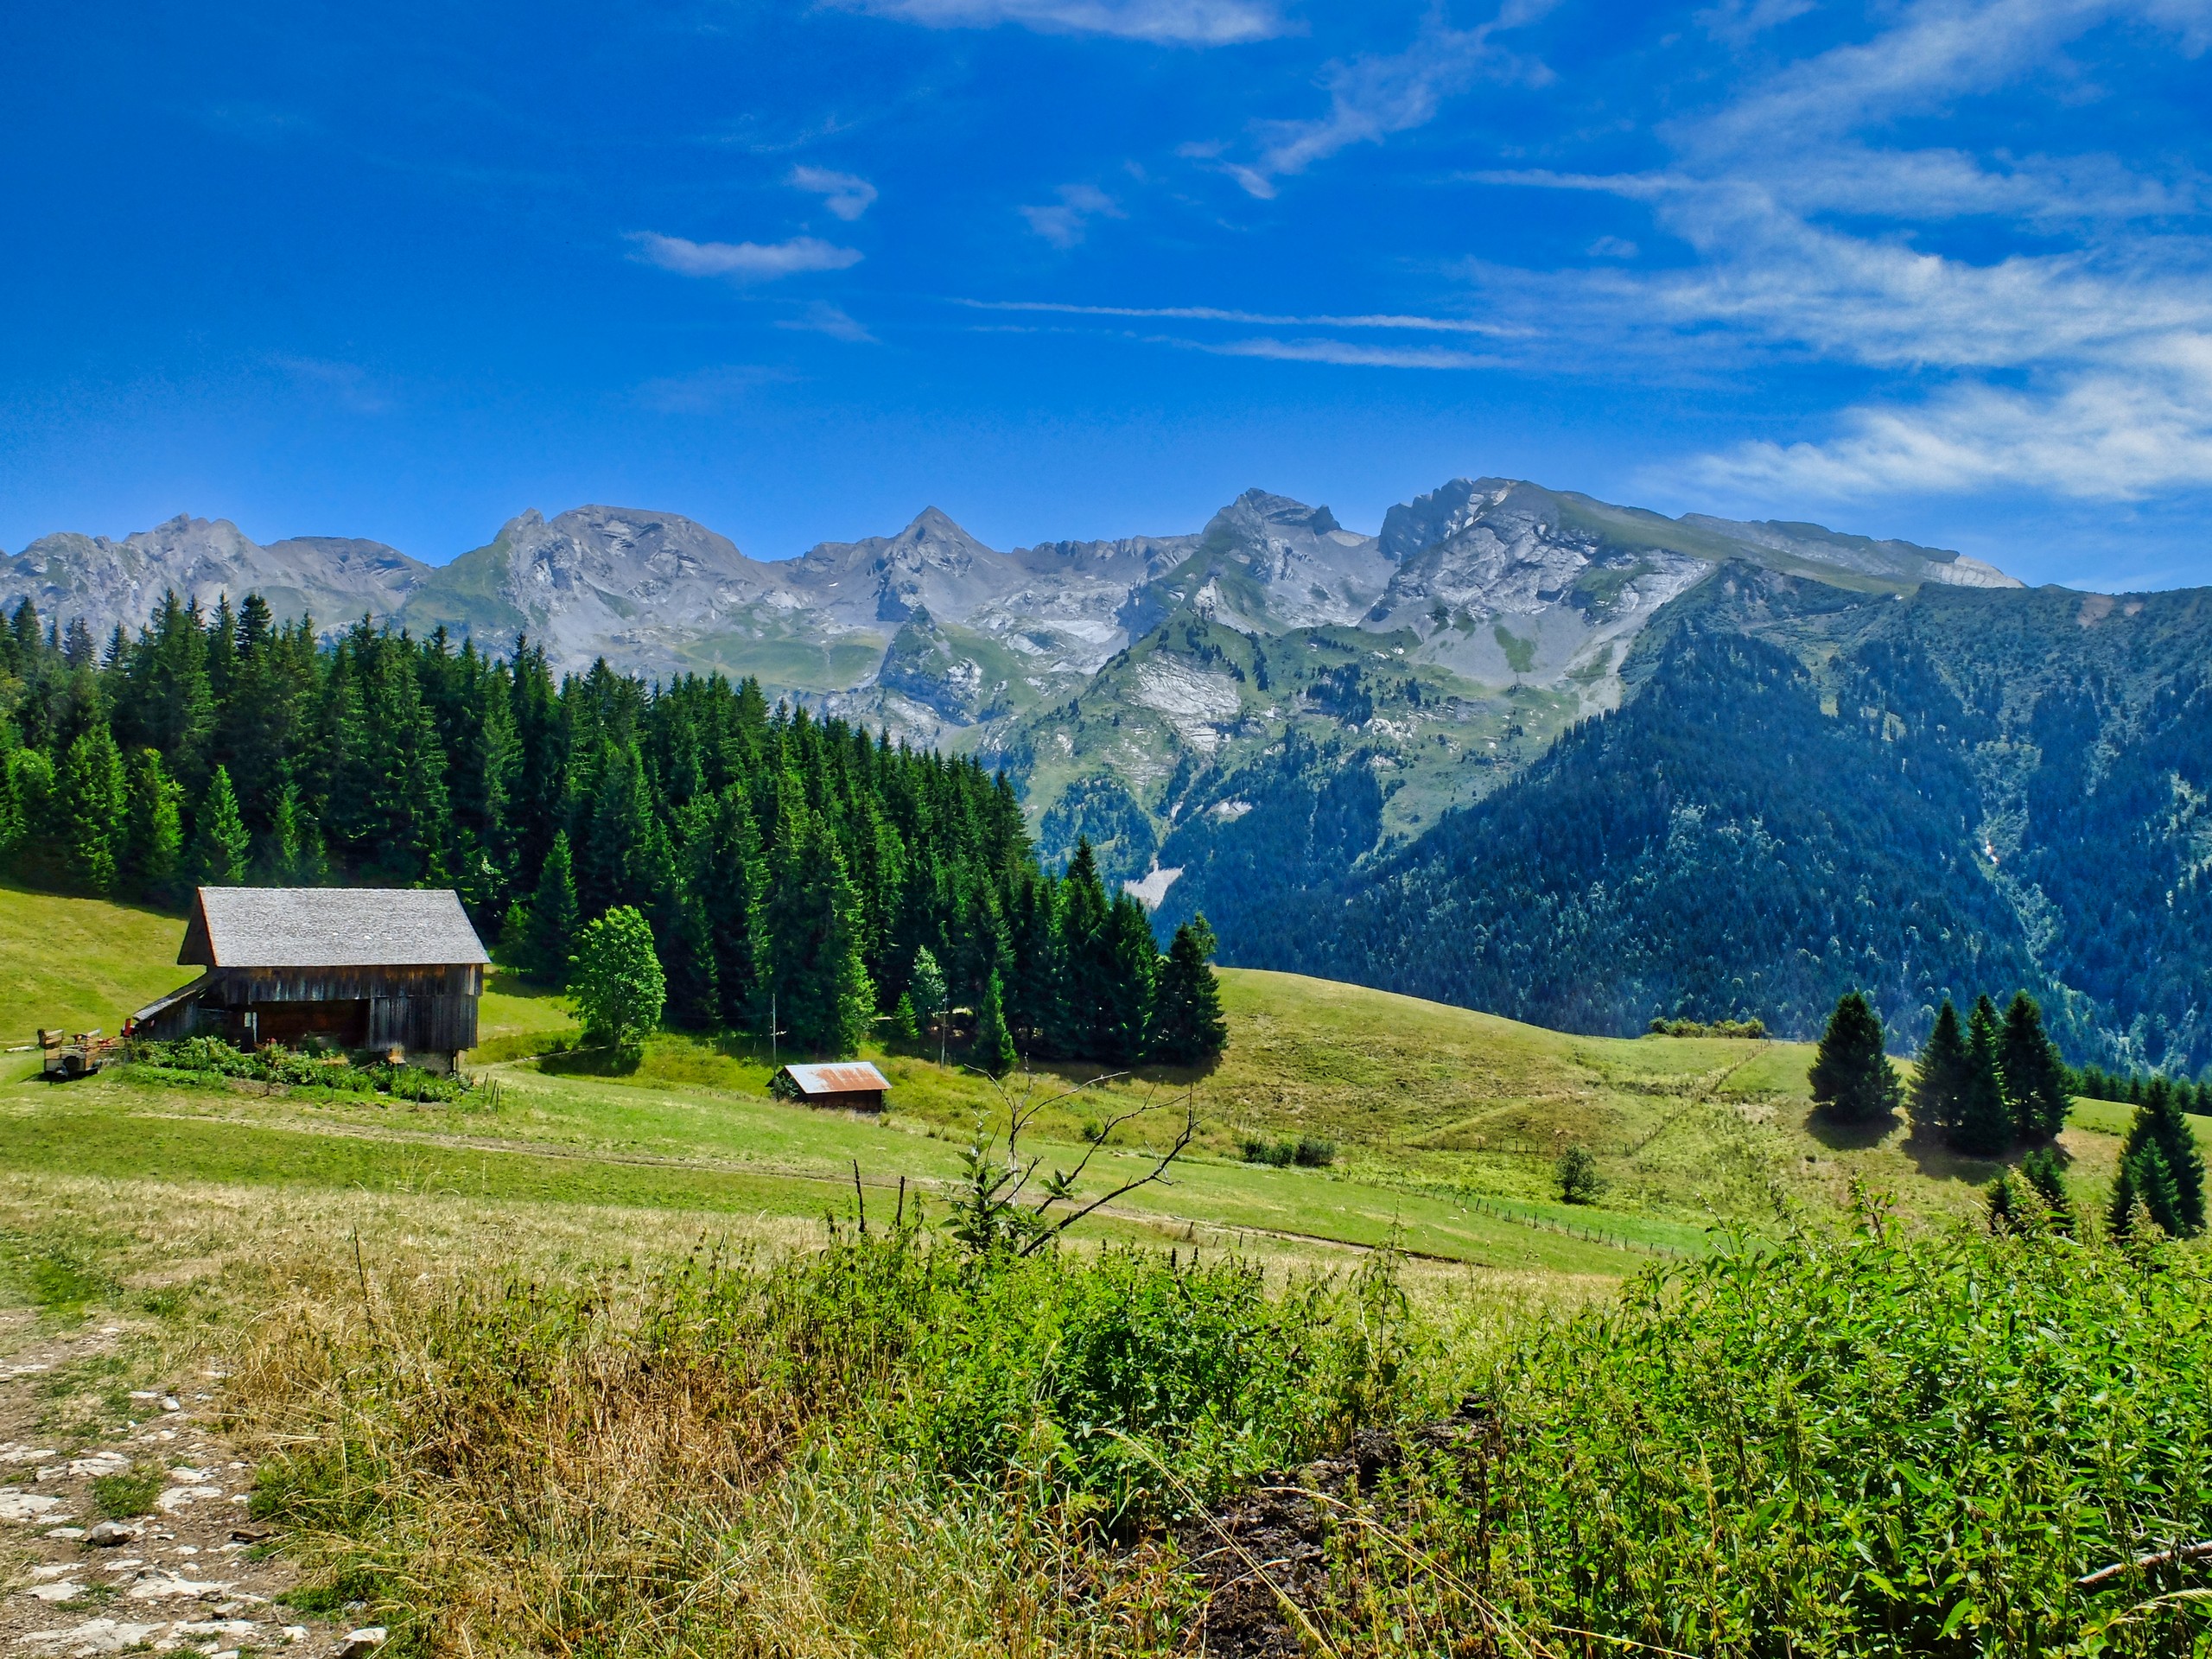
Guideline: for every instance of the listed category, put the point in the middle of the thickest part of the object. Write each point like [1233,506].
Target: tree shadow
[1941,1163]
[1839,1136]
[601,1062]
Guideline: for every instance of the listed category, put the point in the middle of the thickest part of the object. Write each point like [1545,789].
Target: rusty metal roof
[843,1077]
[329,927]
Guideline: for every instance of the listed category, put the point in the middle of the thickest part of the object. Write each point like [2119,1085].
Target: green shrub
[1872,1444]
[133,1493]
[272,1063]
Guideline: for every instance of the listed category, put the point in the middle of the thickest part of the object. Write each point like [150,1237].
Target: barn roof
[845,1077]
[329,927]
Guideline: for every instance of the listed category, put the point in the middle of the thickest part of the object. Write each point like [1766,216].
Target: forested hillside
[783,861]
[1807,791]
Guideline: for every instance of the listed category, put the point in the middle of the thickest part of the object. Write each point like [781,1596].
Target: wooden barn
[854,1084]
[394,972]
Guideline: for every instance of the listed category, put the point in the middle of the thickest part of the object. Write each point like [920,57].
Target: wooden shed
[854,1084]
[389,971]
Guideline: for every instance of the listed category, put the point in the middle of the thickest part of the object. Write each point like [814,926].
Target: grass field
[1446,1122]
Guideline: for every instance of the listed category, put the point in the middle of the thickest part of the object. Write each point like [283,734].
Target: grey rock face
[109,584]
[932,565]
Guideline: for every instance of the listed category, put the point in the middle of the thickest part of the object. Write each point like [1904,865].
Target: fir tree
[930,997]
[1985,1127]
[91,805]
[2040,1169]
[552,922]
[993,1049]
[1126,974]
[2143,1187]
[1187,1025]
[687,934]
[1940,1076]
[1852,1078]
[154,838]
[219,838]
[2158,1123]
[906,1029]
[2033,1075]
[813,924]
[729,879]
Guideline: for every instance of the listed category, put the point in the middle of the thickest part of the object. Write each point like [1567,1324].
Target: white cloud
[845,195]
[1261,318]
[743,260]
[2099,437]
[1345,351]
[1372,98]
[704,391]
[1063,223]
[2075,365]
[823,317]
[1168,23]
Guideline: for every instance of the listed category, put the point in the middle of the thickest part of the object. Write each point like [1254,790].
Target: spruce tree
[2144,1187]
[1939,1078]
[1128,968]
[219,838]
[2034,1077]
[906,1028]
[1852,1078]
[729,879]
[1984,1128]
[552,924]
[2040,1169]
[1187,1027]
[993,1049]
[1083,951]
[813,926]
[929,994]
[2158,1123]
[153,839]
[92,804]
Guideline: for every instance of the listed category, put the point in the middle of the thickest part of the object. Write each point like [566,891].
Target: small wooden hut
[854,1084]
[394,972]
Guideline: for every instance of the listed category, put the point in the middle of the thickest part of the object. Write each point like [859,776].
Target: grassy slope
[81,962]
[1447,1120]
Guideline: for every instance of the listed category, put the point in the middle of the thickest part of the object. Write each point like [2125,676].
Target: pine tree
[729,881]
[814,928]
[92,804]
[1126,976]
[153,839]
[1985,1128]
[686,932]
[1186,1023]
[993,1049]
[2144,1187]
[552,929]
[2033,1075]
[1940,1076]
[218,838]
[1852,1078]
[2158,1123]
[2040,1169]
[930,997]
[1083,951]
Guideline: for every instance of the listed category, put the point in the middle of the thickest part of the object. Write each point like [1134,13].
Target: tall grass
[888,1446]
[1870,1443]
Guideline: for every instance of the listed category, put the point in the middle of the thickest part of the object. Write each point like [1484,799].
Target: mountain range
[1519,749]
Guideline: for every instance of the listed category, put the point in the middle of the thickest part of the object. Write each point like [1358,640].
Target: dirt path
[188,1574]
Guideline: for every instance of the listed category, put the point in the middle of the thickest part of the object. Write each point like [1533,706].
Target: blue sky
[1090,267]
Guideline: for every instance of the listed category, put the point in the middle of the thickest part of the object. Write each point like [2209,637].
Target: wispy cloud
[348,385]
[823,317]
[1372,98]
[1168,22]
[846,195]
[744,262]
[1351,353]
[1257,319]
[2080,363]
[1063,223]
[705,391]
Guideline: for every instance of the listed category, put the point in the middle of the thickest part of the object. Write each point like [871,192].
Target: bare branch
[1157,1173]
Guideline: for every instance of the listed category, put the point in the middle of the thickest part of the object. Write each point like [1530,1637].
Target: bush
[1577,1177]
[272,1063]
[616,978]
[1754,1026]
[1313,1152]
[1866,1444]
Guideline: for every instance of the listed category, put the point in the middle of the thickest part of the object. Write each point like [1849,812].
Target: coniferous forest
[790,867]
